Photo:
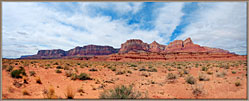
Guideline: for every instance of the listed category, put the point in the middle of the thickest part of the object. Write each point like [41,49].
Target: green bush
[120,92]
[18,73]
[204,68]
[59,67]
[234,72]
[171,76]
[132,65]
[84,76]
[58,71]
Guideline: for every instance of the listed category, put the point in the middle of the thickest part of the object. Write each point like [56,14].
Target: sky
[31,26]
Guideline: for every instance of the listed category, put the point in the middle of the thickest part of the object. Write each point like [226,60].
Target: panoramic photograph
[124,50]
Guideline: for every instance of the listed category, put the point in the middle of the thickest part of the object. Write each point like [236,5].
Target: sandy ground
[152,85]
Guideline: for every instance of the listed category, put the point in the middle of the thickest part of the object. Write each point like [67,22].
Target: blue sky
[65,25]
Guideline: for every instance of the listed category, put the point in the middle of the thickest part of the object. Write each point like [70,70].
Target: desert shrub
[58,71]
[196,65]
[76,70]
[38,80]
[152,70]
[59,67]
[69,93]
[84,76]
[209,73]
[121,72]
[93,69]
[133,65]
[221,74]
[10,68]
[234,72]
[185,71]
[78,63]
[171,76]
[203,77]
[66,68]
[4,66]
[32,73]
[197,90]
[56,63]
[145,74]
[112,68]
[142,69]
[169,69]
[237,83]
[190,80]
[129,72]
[25,92]
[120,92]
[204,68]
[50,93]
[18,73]
[74,76]
[68,73]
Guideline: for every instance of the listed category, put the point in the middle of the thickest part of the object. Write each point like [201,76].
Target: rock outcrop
[91,50]
[136,49]
[134,45]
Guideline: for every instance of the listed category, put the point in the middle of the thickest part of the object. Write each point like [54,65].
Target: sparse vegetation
[69,93]
[38,80]
[190,79]
[58,71]
[50,93]
[84,76]
[120,92]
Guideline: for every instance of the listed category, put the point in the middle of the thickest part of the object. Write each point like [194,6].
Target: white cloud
[35,26]
[220,25]
[169,17]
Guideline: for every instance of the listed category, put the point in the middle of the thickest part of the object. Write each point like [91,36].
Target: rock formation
[136,49]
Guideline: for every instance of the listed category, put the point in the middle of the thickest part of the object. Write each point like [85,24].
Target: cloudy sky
[31,26]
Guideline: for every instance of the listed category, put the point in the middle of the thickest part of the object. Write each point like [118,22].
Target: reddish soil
[221,74]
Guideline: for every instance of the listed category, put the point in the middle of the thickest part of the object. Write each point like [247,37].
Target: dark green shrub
[18,73]
[84,76]
[56,63]
[142,69]
[234,72]
[93,69]
[204,68]
[120,92]
[59,67]
[58,71]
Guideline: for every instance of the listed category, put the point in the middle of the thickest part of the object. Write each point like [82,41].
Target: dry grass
[50,93]
[38,80]
[69,93]
[25,92]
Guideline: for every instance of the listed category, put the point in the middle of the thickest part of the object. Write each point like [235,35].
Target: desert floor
[153,80]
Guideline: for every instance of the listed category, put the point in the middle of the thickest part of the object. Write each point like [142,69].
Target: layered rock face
[134,45]
[92,50]
[136,49]
[175,46]
[77,51]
